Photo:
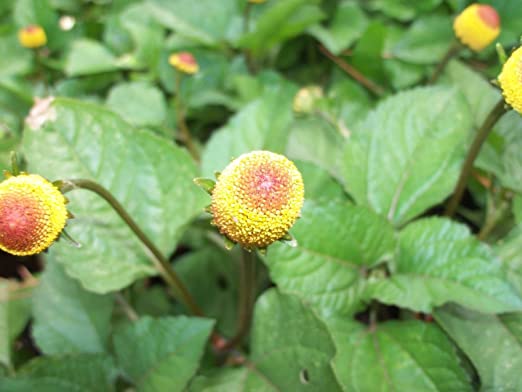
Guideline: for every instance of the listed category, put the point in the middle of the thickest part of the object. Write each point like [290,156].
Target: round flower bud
[184,62]
[32,37]
[510,80]
[306,99]
[257,198]
[32,214]
[477,26]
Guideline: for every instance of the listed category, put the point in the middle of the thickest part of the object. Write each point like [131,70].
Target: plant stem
[354,73]
[160,262]
[180,118]
[452,51]
[493,216]
[125,306]
[246,28]
[498,110]
[247,288]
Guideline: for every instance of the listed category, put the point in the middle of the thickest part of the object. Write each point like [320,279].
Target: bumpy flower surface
[32,37]
[477,26]
[32,214]
[185,62]
[257,198]
[510,80]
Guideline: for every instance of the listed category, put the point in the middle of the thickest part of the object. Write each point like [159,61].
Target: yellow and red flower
[32,37]
[257,198]
[510,80]
[477,26]
[184,62]
[32,214]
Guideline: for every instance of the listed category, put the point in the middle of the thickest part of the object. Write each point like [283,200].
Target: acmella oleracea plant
[32,214]
[477,26]
[256,199]
[510,80]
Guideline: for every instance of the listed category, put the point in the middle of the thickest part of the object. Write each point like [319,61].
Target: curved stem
[246,297]
[452,51]
[180,118]
[160,262]
[498,110]
[354,73]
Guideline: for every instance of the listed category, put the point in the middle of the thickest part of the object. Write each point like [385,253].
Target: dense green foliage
[381,293]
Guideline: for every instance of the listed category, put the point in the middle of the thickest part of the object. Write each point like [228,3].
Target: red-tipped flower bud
[184,62]
[257,198]
[510,80]
[32,37]
[32,214]
[477,26]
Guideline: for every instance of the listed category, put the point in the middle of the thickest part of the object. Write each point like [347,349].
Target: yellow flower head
[256,1]
[306,98]
[32,37]
[477,26]
[32,214]
[184,62]
[257,198]
[510,80]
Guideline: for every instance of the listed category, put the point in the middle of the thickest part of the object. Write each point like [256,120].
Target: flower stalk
[247,292]
[160,262]
[498,110]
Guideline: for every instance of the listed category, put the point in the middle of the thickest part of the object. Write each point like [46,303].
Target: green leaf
[427,40]
[347,25]
[438,261]
[406,156]
[395,356]
[403,10]
[291,350]
[493,343]
[87,57]
[146,33]
[185,17]
[151,178]
[501,155]
[138,103]
[319,185]
[161,354]
[336,244]
[211,277]
[79,373]
[291,347]
[479,93]
[367,54]
[226,380]
[261,125]
[68,319]
[278,21]
[314,140]
[508,250]
[14,59]
[15,311]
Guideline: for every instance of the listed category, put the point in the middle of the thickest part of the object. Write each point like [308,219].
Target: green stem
[180,117]
[125,306]
[247,287]
[246,28]
[498,110]
[452,51]
[494,214]
[160,262]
